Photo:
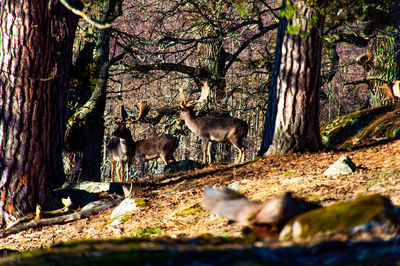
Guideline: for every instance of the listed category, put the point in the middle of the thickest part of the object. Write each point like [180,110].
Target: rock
[123,211]
[234,185]
[365,127]
[93,204]
[180,166]
[368,213]
[342,166]
[265,219]
[97,187]
[376,187]
[295,179]
[92,187]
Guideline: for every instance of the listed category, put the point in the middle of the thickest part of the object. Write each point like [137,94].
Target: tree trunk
[85,130]
[292,122]
[35,59]
[385,66]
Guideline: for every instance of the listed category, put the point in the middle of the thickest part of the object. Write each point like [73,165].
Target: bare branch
[85,17]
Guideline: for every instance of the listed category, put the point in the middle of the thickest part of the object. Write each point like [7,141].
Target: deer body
[219,129]
[143,150]
[149,149]
[121,150]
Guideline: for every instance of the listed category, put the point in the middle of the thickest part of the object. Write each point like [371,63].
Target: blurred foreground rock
[265,219]
[295,219]
[372,214]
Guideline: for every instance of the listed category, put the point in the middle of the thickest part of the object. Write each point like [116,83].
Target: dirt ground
[173,204]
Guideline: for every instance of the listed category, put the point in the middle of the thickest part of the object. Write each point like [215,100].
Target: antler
[143,111]
[205,90]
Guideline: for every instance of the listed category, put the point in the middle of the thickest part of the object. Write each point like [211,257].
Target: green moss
[340,130]
[196,208]
[147,232]
[140,202]
[289,173]
[343,215]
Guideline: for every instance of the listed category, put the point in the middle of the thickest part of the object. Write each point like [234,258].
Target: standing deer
[210,128]
[123,148]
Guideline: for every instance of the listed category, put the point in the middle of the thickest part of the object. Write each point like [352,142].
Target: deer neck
[191,122]
[126,144]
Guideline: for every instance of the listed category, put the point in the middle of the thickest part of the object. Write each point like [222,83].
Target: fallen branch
[59,219]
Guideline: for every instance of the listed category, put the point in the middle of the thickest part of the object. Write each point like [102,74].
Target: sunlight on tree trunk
[296,85]
[35,60]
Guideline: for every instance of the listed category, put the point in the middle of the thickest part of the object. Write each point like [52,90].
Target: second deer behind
[122,148]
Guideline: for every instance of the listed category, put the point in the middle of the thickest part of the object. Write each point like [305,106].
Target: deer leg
[164,157]
[209,147]
[142,165]
[118,169]
[128,173]
[242,151]
[112,163]
[205,145]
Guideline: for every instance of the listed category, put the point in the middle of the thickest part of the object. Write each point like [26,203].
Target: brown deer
[210,128]
[123,148]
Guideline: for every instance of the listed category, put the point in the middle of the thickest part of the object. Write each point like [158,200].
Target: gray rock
[342,166]
[295,179]
[376,187]
[91,187]
[93,204]
[124,209]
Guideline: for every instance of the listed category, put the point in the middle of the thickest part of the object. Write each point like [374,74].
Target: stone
[123,211]
[342,166]
[367,213]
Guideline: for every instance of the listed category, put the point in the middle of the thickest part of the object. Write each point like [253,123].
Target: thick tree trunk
[35,58]
[85,130]
[385,66]
[293,113]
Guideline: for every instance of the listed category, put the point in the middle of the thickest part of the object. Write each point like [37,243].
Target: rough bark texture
[384,66]
[296,127]
[35,58]
[85,129]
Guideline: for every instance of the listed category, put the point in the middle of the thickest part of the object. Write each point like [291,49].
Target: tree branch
[85,17]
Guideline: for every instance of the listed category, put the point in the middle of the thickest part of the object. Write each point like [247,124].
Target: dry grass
[173,203]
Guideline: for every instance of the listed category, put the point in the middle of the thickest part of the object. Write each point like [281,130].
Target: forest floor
[172,206]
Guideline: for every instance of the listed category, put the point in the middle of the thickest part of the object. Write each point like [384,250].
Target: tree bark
[85,129]
[385,66]
[35,60]
[292,122]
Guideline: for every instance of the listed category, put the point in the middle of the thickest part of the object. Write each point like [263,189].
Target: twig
[85,17]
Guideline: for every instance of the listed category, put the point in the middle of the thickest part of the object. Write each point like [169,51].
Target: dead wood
[60,219]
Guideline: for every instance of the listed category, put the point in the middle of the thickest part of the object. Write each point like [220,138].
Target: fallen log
[85,212]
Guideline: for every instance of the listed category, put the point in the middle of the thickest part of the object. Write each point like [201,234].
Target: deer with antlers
[210,128]
[123,148]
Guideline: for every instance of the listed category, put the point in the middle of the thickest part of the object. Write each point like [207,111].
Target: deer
[122,148]
[213,129]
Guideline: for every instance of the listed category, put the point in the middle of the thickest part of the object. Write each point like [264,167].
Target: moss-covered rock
[370,210]
[363,127]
